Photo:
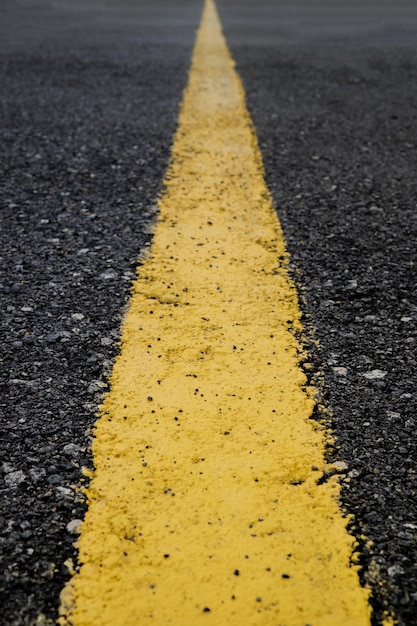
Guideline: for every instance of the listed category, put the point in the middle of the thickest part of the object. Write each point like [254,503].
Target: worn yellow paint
[204,507]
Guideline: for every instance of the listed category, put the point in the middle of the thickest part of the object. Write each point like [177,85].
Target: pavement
[89,105]
[333,102]
[90,99]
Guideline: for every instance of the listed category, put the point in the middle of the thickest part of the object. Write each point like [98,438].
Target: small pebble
[375,374]
[14,479]
[74,526]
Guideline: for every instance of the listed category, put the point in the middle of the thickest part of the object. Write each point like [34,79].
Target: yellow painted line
[204,507]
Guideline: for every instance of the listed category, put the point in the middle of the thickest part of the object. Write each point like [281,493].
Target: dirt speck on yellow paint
[206,504]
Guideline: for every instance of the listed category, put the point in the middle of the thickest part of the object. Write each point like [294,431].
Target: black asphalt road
[89,93]
[333,94]
[89,98]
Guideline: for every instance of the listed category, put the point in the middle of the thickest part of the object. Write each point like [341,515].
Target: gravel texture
[89,102]
[333,99]
[88,109]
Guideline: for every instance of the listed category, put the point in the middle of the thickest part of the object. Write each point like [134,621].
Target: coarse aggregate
[333,96]
[208,494]
[88,108]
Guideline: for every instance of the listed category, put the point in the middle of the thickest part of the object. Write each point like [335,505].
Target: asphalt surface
[332,92]
[90,93]
[89,101]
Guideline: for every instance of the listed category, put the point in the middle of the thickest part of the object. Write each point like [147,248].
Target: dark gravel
[333,96]
[88,107]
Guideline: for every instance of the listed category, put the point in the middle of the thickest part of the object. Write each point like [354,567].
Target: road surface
[90,100]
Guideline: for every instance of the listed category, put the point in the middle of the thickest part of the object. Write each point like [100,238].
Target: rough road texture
[335,117]
[333,97]
[87,120]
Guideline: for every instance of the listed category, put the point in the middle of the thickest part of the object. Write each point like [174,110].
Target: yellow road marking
[204,506]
